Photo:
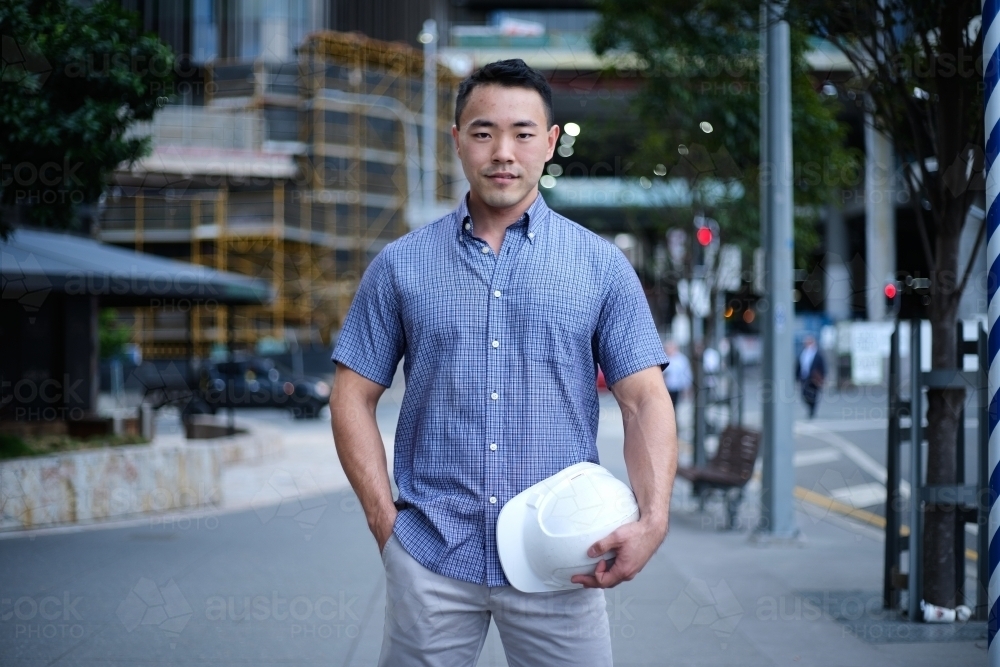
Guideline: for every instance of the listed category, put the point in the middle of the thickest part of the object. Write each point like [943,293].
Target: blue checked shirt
[501,354]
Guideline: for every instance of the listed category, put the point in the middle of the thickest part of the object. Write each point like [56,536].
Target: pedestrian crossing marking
[811,457]
[860,495]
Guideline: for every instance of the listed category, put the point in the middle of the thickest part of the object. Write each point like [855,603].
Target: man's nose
[504,150]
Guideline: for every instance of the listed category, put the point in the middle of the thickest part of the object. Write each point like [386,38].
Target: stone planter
[100,484]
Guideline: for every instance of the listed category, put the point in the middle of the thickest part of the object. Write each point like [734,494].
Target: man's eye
[525,135]
[481,135]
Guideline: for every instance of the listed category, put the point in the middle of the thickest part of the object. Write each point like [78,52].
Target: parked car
[255,382]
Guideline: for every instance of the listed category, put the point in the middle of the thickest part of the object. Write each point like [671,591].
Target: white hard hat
[543,533]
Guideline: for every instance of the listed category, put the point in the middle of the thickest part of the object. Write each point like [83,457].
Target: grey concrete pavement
[294,578]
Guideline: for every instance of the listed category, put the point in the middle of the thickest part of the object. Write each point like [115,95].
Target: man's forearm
[362,455]
[651,455]
[651,459]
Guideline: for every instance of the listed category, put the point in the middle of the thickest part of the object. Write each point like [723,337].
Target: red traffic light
[890,291]
[704,235]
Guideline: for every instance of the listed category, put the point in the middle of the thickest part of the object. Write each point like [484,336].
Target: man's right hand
[359,445]
[382,530]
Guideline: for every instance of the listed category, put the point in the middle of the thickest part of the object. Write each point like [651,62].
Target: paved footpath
[286,573]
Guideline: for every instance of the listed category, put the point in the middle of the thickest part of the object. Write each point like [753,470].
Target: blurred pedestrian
[811,372]
[678,374]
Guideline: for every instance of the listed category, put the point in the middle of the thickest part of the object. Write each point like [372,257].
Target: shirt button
[493,500]
[493,446]
[531,235]
[496,343]
[494,396]
[468,225]
[486,249]
[497,294]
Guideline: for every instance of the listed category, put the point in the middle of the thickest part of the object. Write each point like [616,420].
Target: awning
[34,263]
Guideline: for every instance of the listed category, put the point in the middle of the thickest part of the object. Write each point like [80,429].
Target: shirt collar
[534,217]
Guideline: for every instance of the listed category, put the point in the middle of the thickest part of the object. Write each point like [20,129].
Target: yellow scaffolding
[354,102]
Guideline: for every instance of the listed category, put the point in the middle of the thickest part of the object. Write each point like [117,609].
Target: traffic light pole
[777,520]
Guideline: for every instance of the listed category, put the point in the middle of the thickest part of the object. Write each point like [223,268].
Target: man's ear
[454,136]
[554,132]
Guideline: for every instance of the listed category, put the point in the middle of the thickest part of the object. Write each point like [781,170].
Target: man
[811,372]
[502,310]
[678,373]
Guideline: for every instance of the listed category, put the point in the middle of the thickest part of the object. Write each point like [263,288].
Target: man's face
[504,142]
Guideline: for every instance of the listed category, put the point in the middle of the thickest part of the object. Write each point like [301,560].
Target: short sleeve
[372,341]
[626,339]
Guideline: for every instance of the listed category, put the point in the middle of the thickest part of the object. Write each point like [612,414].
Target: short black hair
[512,73]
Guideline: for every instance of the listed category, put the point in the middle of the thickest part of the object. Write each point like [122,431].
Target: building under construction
[295,171]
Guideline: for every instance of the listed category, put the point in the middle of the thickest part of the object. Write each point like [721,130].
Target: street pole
[429,37]
[991,77]
[777,520]
[698,377]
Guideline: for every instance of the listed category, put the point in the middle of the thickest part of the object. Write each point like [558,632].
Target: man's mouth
[502,176]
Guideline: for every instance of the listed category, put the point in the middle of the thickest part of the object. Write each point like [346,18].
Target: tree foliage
[73,79]
[918,69]
[919,66]
[700,62]
[112,336]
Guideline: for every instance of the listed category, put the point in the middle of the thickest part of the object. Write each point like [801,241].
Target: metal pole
[720,320]
[777,511]
[891,560]
[231,343]
[915,576]
[429,37]
[960,478]
[991,77]
[698,375]
[739,388]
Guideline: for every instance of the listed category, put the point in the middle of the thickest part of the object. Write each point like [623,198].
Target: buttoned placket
[499,266]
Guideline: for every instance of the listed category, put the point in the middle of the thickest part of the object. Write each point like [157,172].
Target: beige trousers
[437,621]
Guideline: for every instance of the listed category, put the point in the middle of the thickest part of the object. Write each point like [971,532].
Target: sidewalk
[290,536]
[712,597]
[709,596]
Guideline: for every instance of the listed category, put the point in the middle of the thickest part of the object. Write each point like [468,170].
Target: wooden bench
[728,471]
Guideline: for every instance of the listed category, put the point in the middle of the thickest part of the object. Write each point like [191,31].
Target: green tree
[73,79]
[112,336]
[917,68]
[700,64]
[918,65]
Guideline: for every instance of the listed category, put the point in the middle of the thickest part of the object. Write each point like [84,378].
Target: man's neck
[491,222]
